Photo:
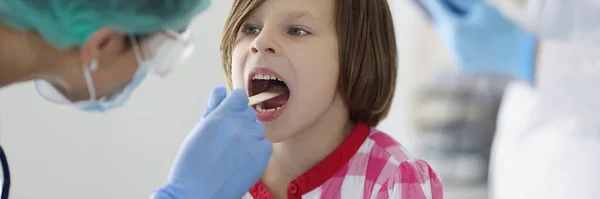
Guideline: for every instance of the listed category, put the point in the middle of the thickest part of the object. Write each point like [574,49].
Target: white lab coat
[558,19]
[547,143]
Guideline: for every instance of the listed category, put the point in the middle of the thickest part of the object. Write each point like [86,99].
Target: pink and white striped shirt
[367,165]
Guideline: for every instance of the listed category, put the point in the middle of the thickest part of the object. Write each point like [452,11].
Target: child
[335,62]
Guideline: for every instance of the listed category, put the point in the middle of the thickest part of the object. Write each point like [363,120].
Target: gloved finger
[263,151]
[249,114]
[216,97]
[256,131]
[236,101]
[439,10]
[486,12]
[260,151]
[460,7]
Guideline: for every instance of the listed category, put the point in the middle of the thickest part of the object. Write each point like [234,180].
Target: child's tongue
[279,100]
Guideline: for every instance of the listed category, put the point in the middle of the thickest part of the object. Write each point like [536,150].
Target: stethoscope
[5,174]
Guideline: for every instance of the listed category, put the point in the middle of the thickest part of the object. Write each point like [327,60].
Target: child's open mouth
[268,81]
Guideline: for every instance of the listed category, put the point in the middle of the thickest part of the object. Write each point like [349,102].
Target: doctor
[548,133]
[92,54]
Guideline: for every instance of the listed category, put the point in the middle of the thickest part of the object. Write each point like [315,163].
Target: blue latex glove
[225,154]
[482,38]
[458,7]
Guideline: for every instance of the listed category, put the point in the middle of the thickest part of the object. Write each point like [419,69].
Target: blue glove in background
[458,7]
[482,38]
[225,154]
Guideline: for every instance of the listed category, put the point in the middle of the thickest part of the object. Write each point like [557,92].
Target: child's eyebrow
[301,14]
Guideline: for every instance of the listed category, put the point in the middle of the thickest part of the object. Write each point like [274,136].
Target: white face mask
[94,104]
[555,19]
[164,50]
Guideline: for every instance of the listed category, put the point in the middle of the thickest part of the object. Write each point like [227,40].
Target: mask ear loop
[136,49]
[87,73]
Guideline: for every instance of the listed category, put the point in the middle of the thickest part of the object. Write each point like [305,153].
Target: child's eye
[298,32]
[250,29]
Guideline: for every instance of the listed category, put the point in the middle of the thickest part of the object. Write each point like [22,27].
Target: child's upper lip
[263,71]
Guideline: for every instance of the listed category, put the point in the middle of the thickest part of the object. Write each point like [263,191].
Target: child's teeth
[265,77]
[260,109]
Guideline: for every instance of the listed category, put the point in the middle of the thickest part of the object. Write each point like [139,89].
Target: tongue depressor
[264,96]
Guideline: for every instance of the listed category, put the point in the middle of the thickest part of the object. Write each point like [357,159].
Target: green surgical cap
[69,23]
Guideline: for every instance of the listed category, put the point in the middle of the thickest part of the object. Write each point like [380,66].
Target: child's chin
[276,136]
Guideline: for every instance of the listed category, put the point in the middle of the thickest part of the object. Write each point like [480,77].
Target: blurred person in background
[548,135]
[455,113]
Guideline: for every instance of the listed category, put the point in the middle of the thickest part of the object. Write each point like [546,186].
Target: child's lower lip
[270,116]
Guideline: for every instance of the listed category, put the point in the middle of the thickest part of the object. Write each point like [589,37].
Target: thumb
[216,97]
[236,101]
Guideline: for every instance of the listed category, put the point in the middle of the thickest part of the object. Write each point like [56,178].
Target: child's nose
[266,50]
[265,44]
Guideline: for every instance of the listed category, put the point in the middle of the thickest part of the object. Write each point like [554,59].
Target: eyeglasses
[159,51]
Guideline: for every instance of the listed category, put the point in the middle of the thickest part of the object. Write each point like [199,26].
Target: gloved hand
[482,38]
[225,154]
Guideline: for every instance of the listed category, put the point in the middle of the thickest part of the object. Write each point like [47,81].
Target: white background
[58,152]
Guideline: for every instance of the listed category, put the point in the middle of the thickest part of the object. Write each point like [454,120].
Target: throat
[293,158]
[272,86]
[276,184]
[298,154]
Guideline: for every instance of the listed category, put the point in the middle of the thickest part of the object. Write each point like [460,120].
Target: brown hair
[368,58]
